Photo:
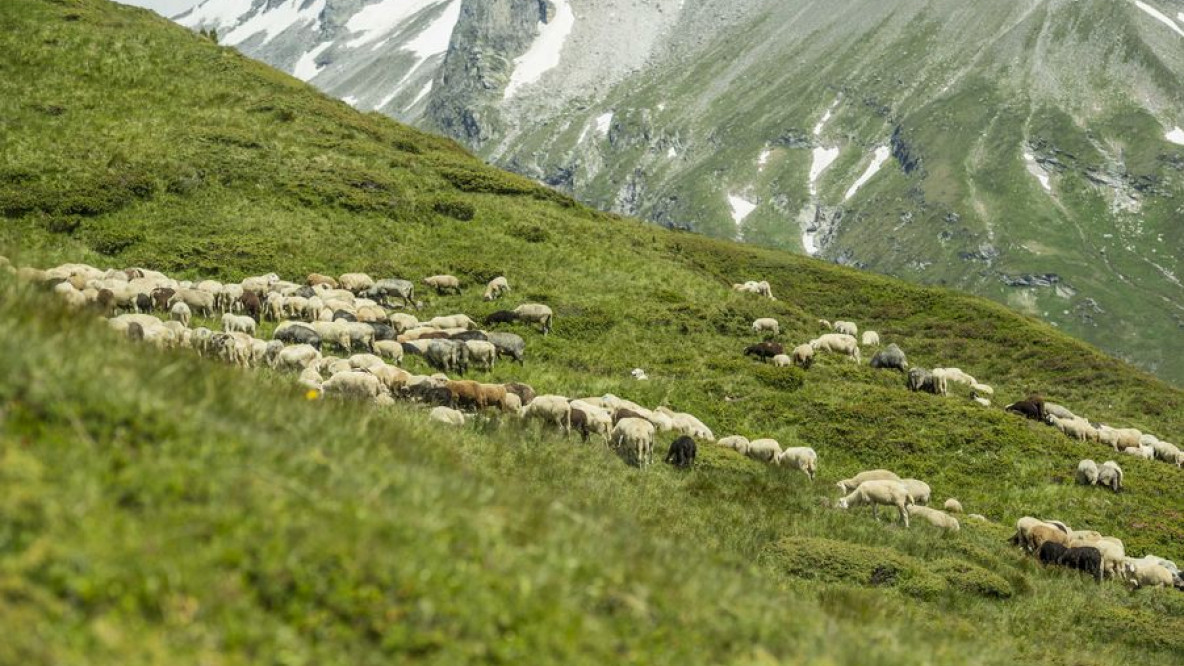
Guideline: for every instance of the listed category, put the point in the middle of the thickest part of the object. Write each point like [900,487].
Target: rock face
[1012,145]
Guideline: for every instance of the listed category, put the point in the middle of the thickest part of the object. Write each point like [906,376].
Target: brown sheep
[465,393]
[316,278]
[523,391]
[252,305]
[764,350]
[1041,534]
[491,395]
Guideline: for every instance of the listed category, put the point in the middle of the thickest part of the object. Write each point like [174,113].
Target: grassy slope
[267,527]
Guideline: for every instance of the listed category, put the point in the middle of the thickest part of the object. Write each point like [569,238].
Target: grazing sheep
[523,391]
[200,302]
[934,517]
[354,384]
[237,323]
[550,409]
[482,354]
[1144,452]
[919,491]
[978,399]
[180,312]
[952,505]
[1076,428]
[496,287]
[443,283]
[355,282]
[1087,473]
[639,374]
[686,424]
[1147,574]
[447,416]
[738,443]
[314,279]
[803,356]
[846,328]
[1169,453]
[847,485]
[682,453]
[1119,438]
[508,344]
[385,289]
[764,350]
[596,419]
[501,317]
[761,288]
[364,361]
[875,493]
[1110,475]
[870,339]
[1050,552]
[1032,408]
[633,439]
[955,375]
[890,357]
[766,325]
[1058,411]
[801,457]
[765,450]
[1042,533]
[839,343]
[294,333]
[453,321]
[401,322]
[1083,558]
[535,313]
[920,379]
[447,356]
[782,361]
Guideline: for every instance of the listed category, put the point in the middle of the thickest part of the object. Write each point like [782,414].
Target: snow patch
[274,21]
[1037,171]
[382,18]
[823,158]
[306,66]
[423,92]
[215,13]
[603,122]
[825,118]
[1159,16]
[544,52]
[810,242]
[741,207]
[1176,136]
[879,157]
[763,159]
[434,38]
[351,100]
[671,152]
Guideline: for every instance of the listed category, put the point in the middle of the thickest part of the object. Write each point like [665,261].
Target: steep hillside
[160,509]
[1028,151]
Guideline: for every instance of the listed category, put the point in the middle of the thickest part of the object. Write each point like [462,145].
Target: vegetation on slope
[158,509]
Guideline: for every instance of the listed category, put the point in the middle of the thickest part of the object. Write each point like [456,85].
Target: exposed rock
[1045,280]
[901,150]
[795,138]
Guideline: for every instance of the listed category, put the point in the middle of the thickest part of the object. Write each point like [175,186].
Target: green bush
[531,233]
[967,577]
[455,208]
[787,380]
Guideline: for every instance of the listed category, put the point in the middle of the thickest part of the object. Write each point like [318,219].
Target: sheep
[782,361]
[443,283]
[764,350]
[738,443]
[1152,559]
[686,424]
[847,485]
[639,374]
[875,493]
[919,491]
[1147,574]
[633,439]
[390,350]
[1113,554]
[315,279]
[1110,475]
[354,384]
[401,322]
[237,323]
[766,325]
[952,506]
[839,343]
[1168,452]
[765,450]
[508,344]
[1083,558]
[296,333]
[891,356]
[762,288]
[801,457]
[845,328]
[920,379]
[453,321]
[355,334]
[1087,473]
[596,419]
[482,354]
[803,356]
[496,287]
[200,302]
[523,391]
[535,313]
[1076,428]
[979,400]
[1059,411]
[501,317]
[447,355]
[1120,438]
[682,453]
[955,375]
[1031,408]
[1050,552]
[180,312]
[550,409]
[364,361]
[1042,533]
[355,282]
[870,339]
[825,324]
[383,290]
[936,518]
[1145,452]
[984,389]
[447,416]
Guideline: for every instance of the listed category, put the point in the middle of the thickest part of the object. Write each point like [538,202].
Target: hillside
[1029,152]
[161,509]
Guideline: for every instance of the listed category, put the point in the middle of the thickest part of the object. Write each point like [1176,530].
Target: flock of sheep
[368,322]
[1055,543]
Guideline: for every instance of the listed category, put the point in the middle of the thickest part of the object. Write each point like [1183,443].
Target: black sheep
[1032,408]
[470,335]
[579,422]
[764,350]
[1050,553]
[1084,558]
[299,335]
[382,331]
[501,317]
[344,314]
[682,452]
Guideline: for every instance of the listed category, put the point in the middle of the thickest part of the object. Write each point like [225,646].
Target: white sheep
[876,493]
[981,401]
[297,357]
[1076,428]
[1110,475]
[801,457]
[738,443]
[550,409]
[180,312]
[870,339]
[1087,472]
[496,287]
[1146,574]
[934,517]
[919,491]
[599,420]
[954,375]
[1168,452]
[782,361]
[535,313]
[454,321]
[765,450]
[983,389]
[365,361]
[803,356]
[442,283]
[687,424]
[766,324]
[1144,452]
[310,379]
[482,354]
[402,322]
[846,328]
[639,374]
[447,416]
[390,350]
[839,343]
[355,282]
[847,485]
[634,437]
[952,506]
[237,323]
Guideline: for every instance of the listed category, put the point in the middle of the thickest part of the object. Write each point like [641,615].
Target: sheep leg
[904,513]
[876,511]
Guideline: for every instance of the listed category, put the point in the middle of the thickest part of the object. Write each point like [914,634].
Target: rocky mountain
[1028,151]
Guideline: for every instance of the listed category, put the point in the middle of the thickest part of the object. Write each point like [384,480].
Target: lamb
[1087,473]
[839,343]
[447,416]
[1110,475]
[920,379]
[364,361]
[890,357]
[508,344]
[765,450]
[801,457]
[846,328]
[979,400]
[952,506]
[803,356]
[550,409]
[355,282]
[782,361]
[535,313]
[482,354]
[766,325]
[1083,558]
[238,323]
[936,518]
[496,288]
[875,493]
[634,440]
[354,384]
[443,283]
[870,339]
[847,485]
[639,375]
[919,491]
[682,453]
[764,350]
[738,443]
[180,312]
